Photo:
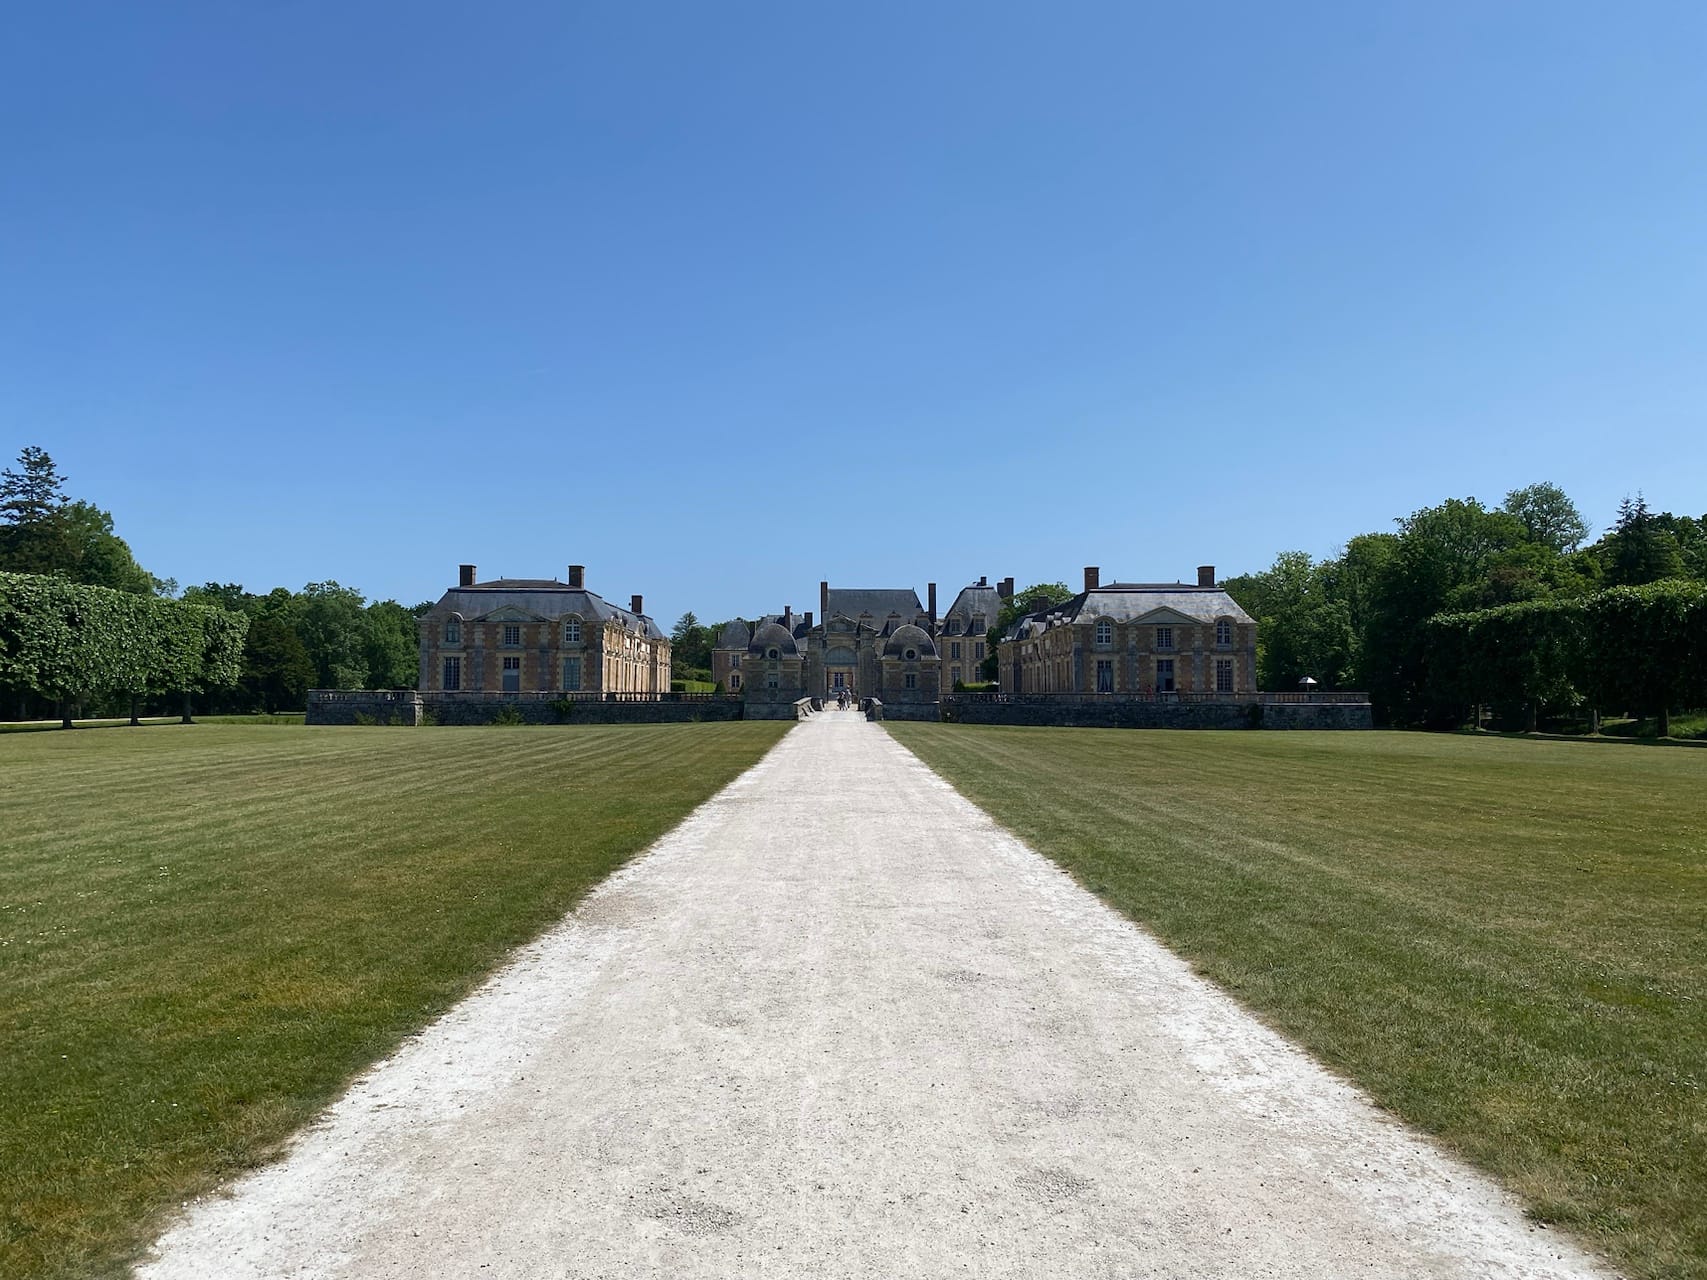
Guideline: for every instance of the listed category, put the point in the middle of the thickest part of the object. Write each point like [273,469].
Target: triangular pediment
[510,613]
[1164,618]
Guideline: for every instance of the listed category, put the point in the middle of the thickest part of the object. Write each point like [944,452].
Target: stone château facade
[525,635]
[1136,639]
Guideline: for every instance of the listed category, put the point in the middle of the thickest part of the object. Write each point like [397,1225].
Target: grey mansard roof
[879,602]
[539,600]
[1135,601]
[736,635]
[979,598]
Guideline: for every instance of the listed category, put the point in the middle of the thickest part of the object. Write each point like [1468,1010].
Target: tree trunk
[65,714]
[186,719]
[133,719]
[1665,722]
[1534,715]
[1594,721]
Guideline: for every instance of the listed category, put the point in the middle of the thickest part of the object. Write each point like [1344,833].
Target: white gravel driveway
[839,1024]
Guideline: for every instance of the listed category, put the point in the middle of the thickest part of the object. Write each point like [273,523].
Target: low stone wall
[364,706]
[1120,713]
[450,709]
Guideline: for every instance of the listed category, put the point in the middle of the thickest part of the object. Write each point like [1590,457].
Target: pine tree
[35,492]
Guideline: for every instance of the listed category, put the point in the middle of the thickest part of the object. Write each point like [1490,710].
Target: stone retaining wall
[349,707]
[1118,713]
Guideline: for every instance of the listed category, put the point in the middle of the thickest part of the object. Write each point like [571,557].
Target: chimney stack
[465,575]
[824,600]
[983,580]
[930,595]
[636,605]
[808,617]
[577,577]
[1005,589]
[1206,575]
[1093,577]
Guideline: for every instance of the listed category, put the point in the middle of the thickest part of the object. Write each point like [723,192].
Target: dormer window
[1223,631]
[1164,637]
[912,655]
[572,631]
[1105,631]
[772,654]
[978,624]
[453,631]
[512,635]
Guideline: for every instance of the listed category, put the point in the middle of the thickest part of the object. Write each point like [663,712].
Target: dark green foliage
[1642,547]
[276,668]
[391,645]
[44,532]
[66,641]
[1038,595]
[1627,648]
[690,648]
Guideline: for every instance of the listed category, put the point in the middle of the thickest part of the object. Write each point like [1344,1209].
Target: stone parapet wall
[449,709]
[1122,713]
[364,706]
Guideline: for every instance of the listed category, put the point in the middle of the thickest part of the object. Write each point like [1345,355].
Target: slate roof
[909,635]
[979,598]
[1134,601]
[736,635]
[542,599]
[773,634]
[879,602]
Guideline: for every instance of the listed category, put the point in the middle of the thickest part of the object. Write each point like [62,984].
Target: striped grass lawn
[206,931]
[1504,942]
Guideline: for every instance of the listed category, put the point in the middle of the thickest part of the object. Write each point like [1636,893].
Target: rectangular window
[978,651]
[978,627]
[453,632]
[1105,675]
[1223,675]
[1164,637]
[512,634]
[571,674]
[572,631]
[1164,675]
[513,675]
[452,674]
[954,649]
[912,680]
[954,675]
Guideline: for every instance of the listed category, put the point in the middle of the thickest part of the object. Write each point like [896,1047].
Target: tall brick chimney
[1206,575]
[930,608]
[636,605]
[807,618]
[1093,577]
[1005,589]
[465,575]
[983,580]
[577,577]
[824,600]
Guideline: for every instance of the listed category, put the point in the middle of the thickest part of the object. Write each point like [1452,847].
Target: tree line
[1363,619]
[324,636]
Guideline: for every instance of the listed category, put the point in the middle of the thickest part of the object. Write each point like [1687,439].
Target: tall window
[1105,631]
[1223,675]
[1105,675]
[453,631]
[513,674]
[912,680]
[512,635]
[978,651]
[977,624]
[452,674]
[572,631]
[1223,631]
[954,649]
[954,675]
[1164,675]
[571,674]
[1164,638]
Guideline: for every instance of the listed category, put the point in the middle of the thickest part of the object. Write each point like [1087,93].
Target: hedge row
[1627,649]
[68,642]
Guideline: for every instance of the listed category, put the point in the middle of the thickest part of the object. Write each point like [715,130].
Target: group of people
[844,697]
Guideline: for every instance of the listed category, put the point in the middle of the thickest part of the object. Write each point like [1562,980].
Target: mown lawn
[1503,942]
[205,931]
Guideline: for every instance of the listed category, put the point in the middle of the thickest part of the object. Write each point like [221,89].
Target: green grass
[1503,942]
[204,932]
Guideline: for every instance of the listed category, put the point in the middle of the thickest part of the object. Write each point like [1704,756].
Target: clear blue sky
[360,291]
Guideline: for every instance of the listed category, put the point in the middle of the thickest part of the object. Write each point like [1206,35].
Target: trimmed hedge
[67,641]
[1629,648]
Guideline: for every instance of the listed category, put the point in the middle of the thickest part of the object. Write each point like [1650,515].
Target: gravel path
[839,1024]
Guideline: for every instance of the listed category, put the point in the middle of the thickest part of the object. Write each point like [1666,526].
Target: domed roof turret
[773,635]
[909,638]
